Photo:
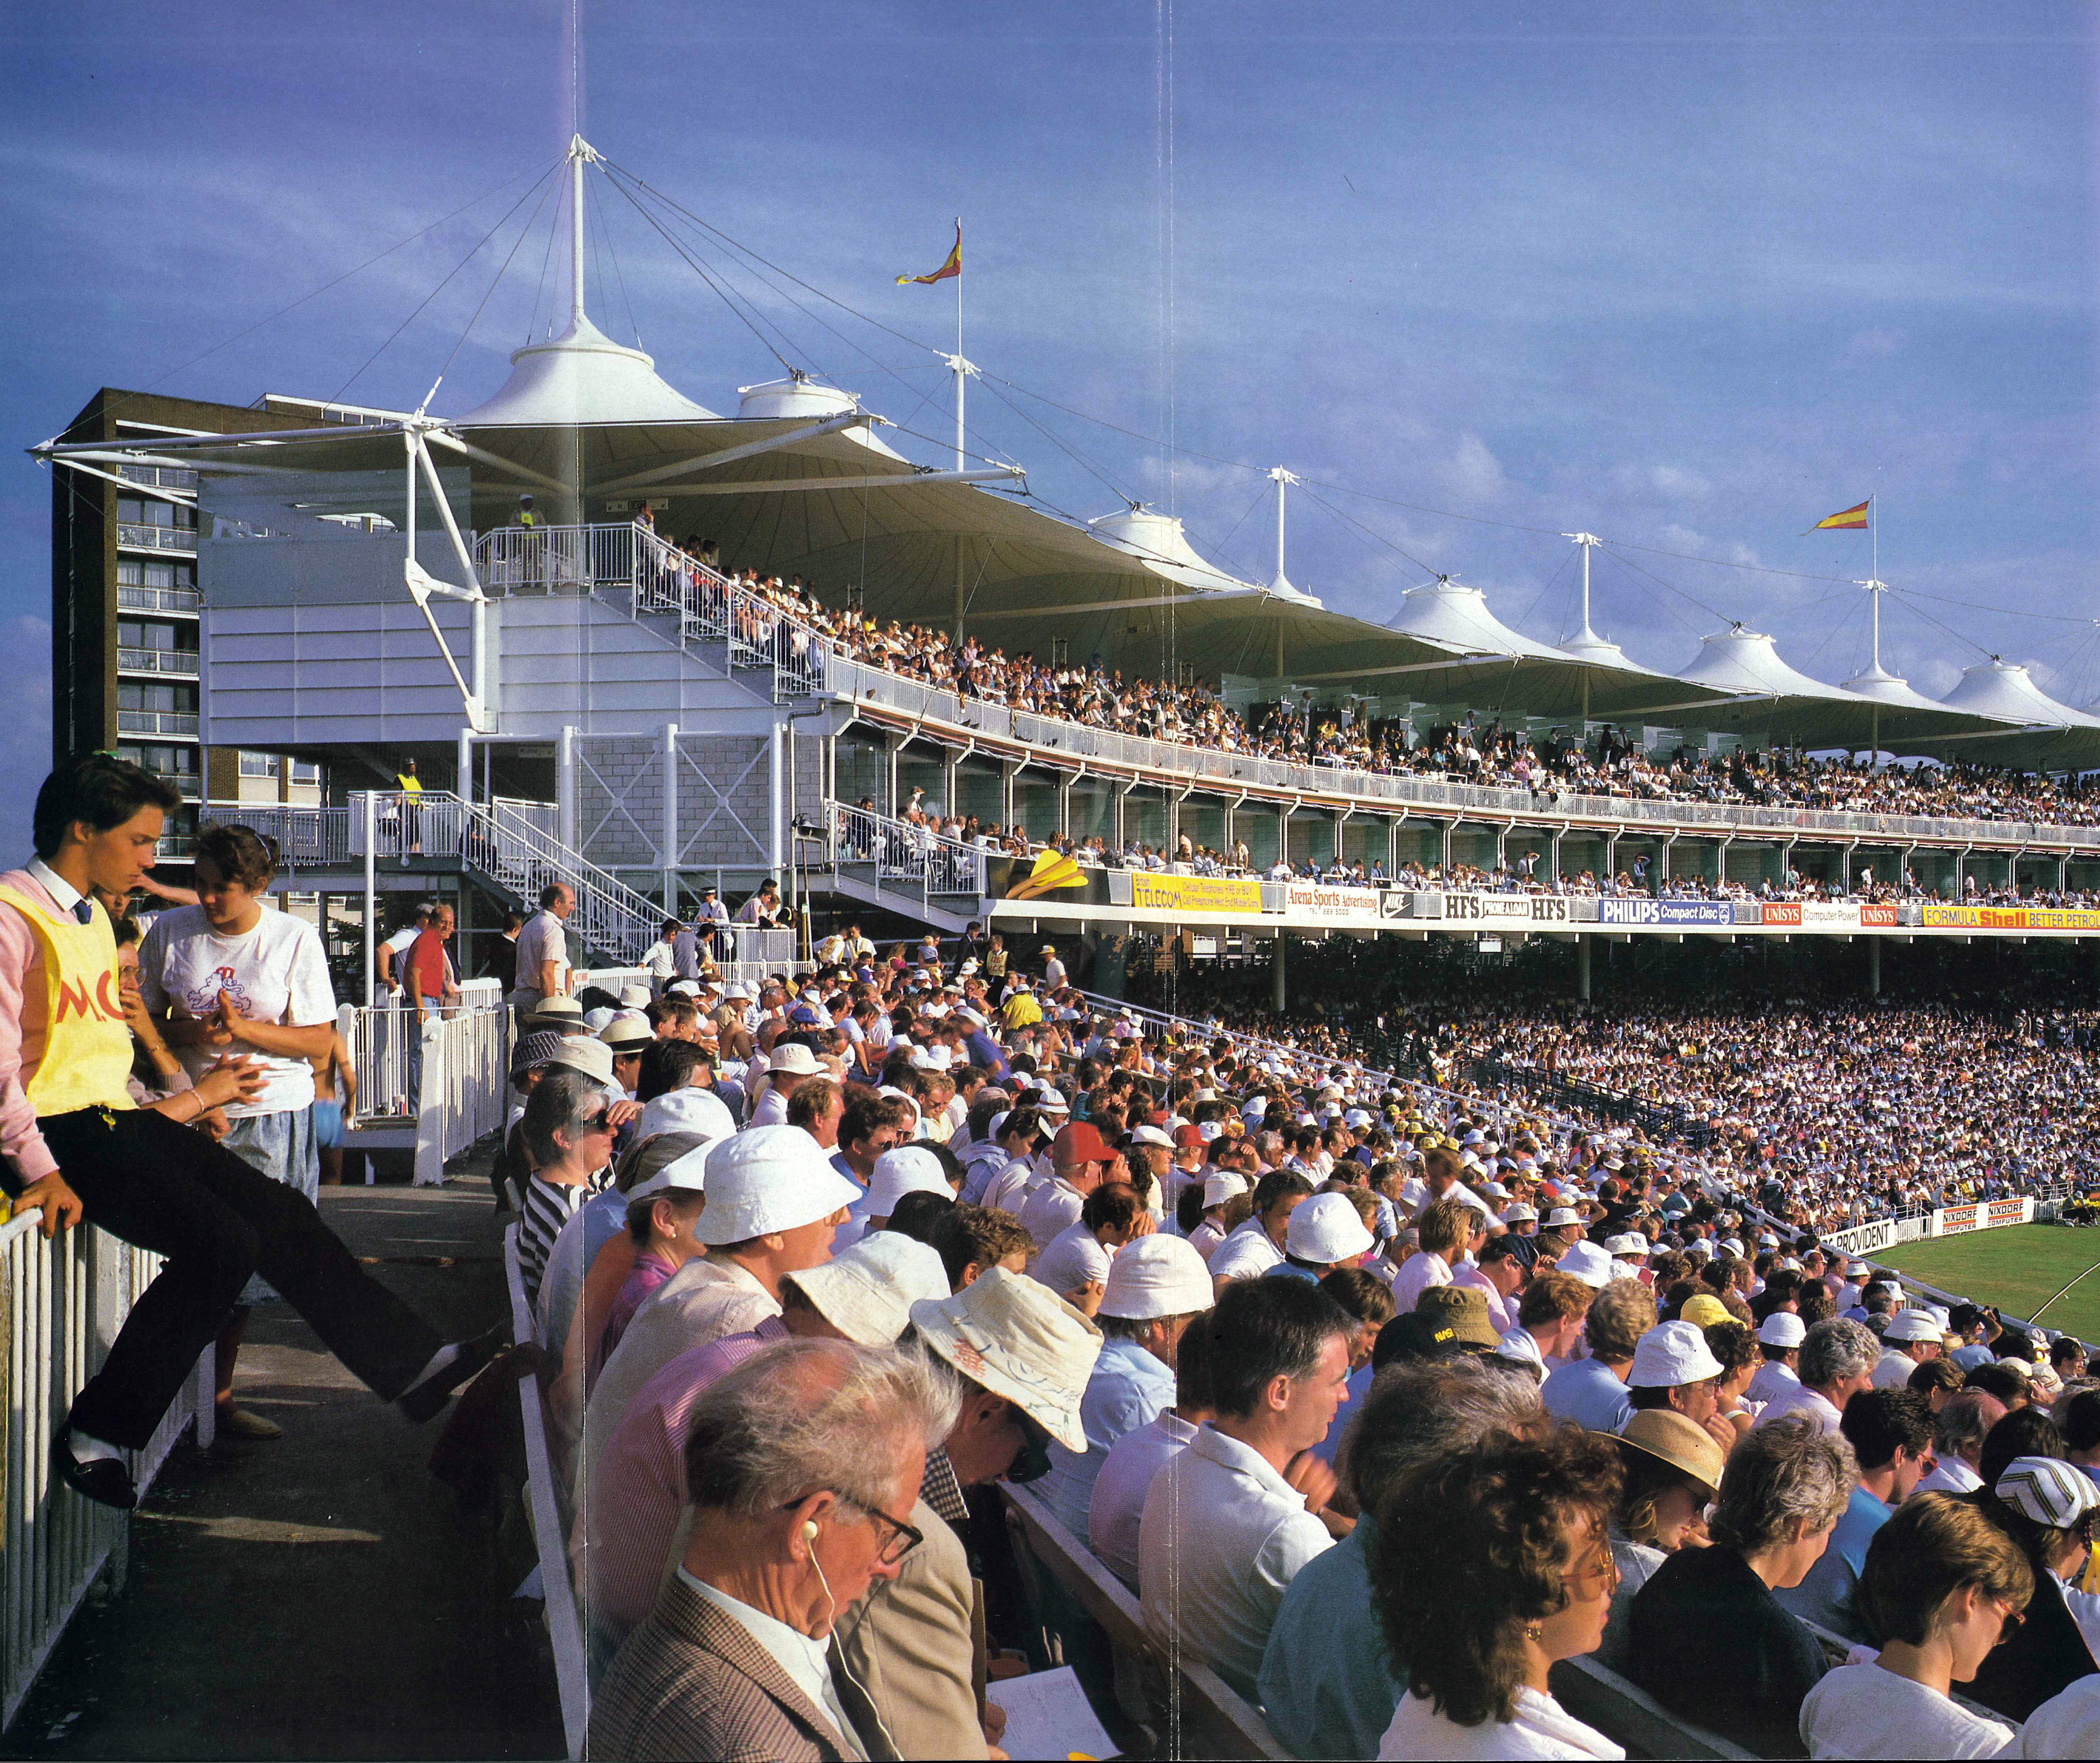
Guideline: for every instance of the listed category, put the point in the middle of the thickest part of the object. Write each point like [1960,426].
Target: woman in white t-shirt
[1942,1586]
[233,975]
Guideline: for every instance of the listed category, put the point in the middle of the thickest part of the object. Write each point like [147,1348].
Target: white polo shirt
[1247,1253]
[1803,1400]
[1222,1537]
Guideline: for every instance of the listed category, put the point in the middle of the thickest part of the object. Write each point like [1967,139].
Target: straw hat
[1019,1340]
[867,1292]
[592,1058]
[1684,1444]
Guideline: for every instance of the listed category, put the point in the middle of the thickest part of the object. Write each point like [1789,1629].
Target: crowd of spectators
[1382,1402]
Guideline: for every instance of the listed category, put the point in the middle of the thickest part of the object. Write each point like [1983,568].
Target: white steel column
[670,852]
[371,900]
[565,788]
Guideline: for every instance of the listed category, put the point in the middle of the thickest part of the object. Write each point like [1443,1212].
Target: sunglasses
[600,1122]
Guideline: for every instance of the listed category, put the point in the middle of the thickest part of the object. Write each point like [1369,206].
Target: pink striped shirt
[637,1487]
[22,1032]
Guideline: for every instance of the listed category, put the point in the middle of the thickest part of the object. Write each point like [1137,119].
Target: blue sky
[1689,277]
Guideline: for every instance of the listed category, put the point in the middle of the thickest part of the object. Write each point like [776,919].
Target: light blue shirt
[1129,1388]
[1585,1392]
[1825,1595]
[1327,1685]
[596,1222]
[1358,1386]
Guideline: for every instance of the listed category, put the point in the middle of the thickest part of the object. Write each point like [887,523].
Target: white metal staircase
[907,869]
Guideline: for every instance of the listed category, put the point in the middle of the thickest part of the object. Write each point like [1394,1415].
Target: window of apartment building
[257,764]
[141,695]
[305,771]
[167,761]
[143,572]
[148,511]
[142,633]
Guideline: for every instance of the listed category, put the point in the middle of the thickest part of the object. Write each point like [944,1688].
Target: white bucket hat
[793,1059]
[906,1169]
[867,1292]
[1225,1185]
[1150,1136]
[1019,1340]
[690,1109]
[627,1033]
[1912,1325]
[769,1179]
[1326,1229]
[1671,1354]
[1560,1215]
[1519,1214]
[594,1020]
[1782,1327]
[1157,1275]
[1588,1262]
[634,998]
[687,1174]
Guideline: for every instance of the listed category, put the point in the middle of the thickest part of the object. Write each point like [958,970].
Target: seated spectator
[1936,1380]
[1328,1685]
[630,1500]
[1672,1474]
[796,1463]
[1549,1321]
[1912,1338]
[1369,1303]
[1838,1360]
[974,1240]
[2047,1508]
[1229,1523]
[1257,1246]
[1117,1507]
[1674,1371]
[661,1212]
[1077,1263]
[1502,1570]
[1958,1433]
[1942,1586]
[1890,1433]
[1154,1289]
[773,1202]
[1442,1230]
[1591,1393]
[2067,1724]
[1707,1638]
[1022,1359]
[1780,1337]
[1326,1233]
[904,1169]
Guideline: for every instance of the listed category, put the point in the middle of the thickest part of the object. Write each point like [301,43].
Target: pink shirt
[22,1032]
[637,1488]
[1499,1313]
[650,1271]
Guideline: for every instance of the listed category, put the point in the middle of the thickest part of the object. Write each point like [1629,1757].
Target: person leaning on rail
[76,1147]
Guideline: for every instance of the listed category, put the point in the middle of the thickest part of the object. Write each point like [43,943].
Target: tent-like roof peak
[582,378]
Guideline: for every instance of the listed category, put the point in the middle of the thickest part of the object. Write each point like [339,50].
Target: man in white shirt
[1780,1337]
[1079,1161]
[1443,1230]
[661,963]
[543,952]
[1958,1431]
[1053,970]
[1838,1360]
[1912,1339]
[1229,1523]
[1257,1246]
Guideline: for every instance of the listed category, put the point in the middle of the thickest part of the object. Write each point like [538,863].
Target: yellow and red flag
[1846,519]
[952,268]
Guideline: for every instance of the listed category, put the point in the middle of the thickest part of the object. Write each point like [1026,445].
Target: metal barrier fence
[63,1302]
[898,851]
[449,1074]
[1664,1120]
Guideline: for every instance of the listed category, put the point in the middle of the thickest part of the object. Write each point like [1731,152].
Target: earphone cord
[809,1536]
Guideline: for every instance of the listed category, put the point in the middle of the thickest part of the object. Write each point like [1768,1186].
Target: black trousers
[169,1188]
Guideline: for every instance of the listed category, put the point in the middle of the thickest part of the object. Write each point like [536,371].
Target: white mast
[1279,477]
[960,368]
[1586,638]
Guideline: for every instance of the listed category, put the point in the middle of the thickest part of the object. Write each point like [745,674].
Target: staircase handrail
[625,920]
[940,865]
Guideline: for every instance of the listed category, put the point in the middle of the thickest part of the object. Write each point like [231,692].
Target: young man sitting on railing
[76,1147]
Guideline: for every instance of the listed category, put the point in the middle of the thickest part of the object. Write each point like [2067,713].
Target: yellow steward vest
[87,1048]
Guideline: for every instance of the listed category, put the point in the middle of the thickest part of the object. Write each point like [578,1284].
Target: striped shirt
[548,1207]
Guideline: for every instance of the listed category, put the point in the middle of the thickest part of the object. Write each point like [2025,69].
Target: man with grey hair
[1328,1685]
[1838,1360]
[1958,1431]
[797,1462]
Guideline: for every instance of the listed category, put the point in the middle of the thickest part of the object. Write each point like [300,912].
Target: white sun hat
[1590,1262]
[905,1169]
[867,1292]
[590,1056]
[1671,1354]
[1325,1229]
[689,1109]
[1157,1275]
[769,1179]
[1019,1340]
[1782,1327]
[1912,1325]
[1226,1184]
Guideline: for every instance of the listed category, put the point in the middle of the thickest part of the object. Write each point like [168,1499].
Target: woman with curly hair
[1503,1566]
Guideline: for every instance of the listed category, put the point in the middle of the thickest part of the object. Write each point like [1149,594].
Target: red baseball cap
[1080,1141]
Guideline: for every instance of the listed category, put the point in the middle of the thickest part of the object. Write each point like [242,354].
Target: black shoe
[107,1481]
[421,1401]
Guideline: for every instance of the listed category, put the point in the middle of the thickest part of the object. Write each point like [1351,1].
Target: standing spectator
[542,952]
[1941,1588]
[233,975]
[1591,1392]
[1328,1686]
[500,964]
[1502,1570]
[1708,1640]
[1890,1435]
[387,957]
[430,982]
[1229,1522]
[661,963]
[797,1462]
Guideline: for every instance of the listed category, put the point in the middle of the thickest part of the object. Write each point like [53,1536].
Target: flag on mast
[1845,518]
[952,268]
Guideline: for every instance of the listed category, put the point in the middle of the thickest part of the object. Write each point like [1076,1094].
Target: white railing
[131,598]
[157,722]
[159,477]
[182,663]
[307,837]
[133,535]
[449,1074]
[659,581]
[896,850]
[565,1631]
[63,1301]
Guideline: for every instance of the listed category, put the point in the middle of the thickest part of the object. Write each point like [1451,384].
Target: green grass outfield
[2017,1269]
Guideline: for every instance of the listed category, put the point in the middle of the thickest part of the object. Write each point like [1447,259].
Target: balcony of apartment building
[162,650]
[150,524]
[149,585]
[146,707]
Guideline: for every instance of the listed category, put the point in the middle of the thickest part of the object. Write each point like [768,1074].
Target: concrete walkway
[318,1596]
